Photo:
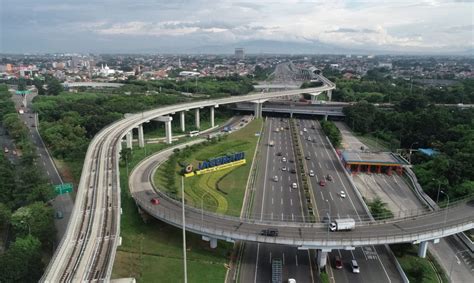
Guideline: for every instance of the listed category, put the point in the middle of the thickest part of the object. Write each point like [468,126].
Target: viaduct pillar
[141,138]
[167,120]
[197,119]
[129,139]
[182,121]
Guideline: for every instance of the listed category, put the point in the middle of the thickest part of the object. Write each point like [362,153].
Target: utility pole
[184,234]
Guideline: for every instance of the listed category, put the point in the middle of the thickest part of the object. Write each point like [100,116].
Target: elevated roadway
[88,247]
[429,226]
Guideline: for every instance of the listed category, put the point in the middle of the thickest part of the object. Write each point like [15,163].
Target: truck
[277,270]
[343,224]
[271,143]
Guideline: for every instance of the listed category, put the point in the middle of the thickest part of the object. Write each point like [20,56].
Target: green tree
[39,84]
[37,219]
[22,262]
[21,84]
[5,215]
[54,86]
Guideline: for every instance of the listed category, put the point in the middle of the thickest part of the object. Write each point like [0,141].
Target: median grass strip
[220,191]
[151,250]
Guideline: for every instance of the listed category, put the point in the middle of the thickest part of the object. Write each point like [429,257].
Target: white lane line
[47,172]
[291,201]
[272,200]
[282,216]
[270,257]
[273,188]
[256,264]
[272,215]
[283,258]
[330,195]
[383,267]
[281,201]
[296,260]
[322,197]
[292,217]
[281,189]
[319,163]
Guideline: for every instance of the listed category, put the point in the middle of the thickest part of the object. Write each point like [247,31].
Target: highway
[375,262]
[275,200]
[87,249]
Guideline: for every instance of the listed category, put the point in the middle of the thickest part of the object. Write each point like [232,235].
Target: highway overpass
[414,229]
[87,250]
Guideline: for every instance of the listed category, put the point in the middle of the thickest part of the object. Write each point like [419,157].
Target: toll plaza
[373,162]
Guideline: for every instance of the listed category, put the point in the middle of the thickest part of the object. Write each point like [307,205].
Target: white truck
[271,143]
[344,224]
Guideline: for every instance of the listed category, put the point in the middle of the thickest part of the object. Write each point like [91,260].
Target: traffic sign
[63,188]
[22,92]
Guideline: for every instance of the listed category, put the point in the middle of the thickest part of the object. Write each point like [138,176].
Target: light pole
[447,207]
[184,234]
[27,224]
[457,261]
[411,148]
[329,217]
[439,187]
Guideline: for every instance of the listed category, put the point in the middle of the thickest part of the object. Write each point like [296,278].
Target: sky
[154,26]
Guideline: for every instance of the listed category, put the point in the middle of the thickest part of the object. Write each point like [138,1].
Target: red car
[338,263]
[155,201]
[322,183]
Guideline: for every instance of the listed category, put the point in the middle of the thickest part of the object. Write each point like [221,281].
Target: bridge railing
[314,232]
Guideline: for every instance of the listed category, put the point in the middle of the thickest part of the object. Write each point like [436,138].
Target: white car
[304,130]
[294,186]
[342,194]
[283,159]
[355,266]
[284,168]
[311,173]
[275,178]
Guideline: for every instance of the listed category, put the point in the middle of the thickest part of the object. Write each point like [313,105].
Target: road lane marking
[272,200]
[282,216]
[322,197]
[270,257]
[319,163]
[281,201]
[292,217]
[330,195]
[256,264]
[283,258]
[296,260]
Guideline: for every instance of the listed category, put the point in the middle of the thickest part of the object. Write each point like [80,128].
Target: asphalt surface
[276,200]
[450,252]
[375,263]
[63,203]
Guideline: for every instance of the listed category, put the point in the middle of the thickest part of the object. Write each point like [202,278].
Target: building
[239,53]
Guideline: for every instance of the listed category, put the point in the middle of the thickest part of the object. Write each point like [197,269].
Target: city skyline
[430,27]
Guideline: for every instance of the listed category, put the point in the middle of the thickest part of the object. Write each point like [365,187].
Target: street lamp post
[437,195]
[411,149]
[329,217]
[447,207]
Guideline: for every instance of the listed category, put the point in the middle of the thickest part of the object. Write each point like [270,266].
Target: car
[342,194]
[304,130]
[311,173]
[278,153]
[322,183]
[275,178]
[329,177]
[283,168]
[313,127]
[281,129]
[155,201]
[294,186]
[309,139]
[58,214]
[31,116]
[5,149]
[283,159]
[269,232]
[291,161]
[338,262]
[33,125]
[355,266]
[293,171]
[14,152]
[287,128]
[307,157]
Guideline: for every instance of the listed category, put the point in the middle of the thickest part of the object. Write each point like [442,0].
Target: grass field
[221,191]
[418,269]
[151,250]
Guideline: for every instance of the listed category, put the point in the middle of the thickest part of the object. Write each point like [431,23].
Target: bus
[193,133]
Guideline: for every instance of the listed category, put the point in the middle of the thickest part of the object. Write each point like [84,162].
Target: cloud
[391,25]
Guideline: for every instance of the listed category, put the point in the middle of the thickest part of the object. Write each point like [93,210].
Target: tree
[21,84]
[22,262]
[126,154]
[5,215]
[35,219]
[39,84]
[54,86]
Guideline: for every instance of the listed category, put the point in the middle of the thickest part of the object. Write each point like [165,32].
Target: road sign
[22,92]
[63,188]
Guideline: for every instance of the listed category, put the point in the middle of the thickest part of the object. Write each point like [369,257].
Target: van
[355,266]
